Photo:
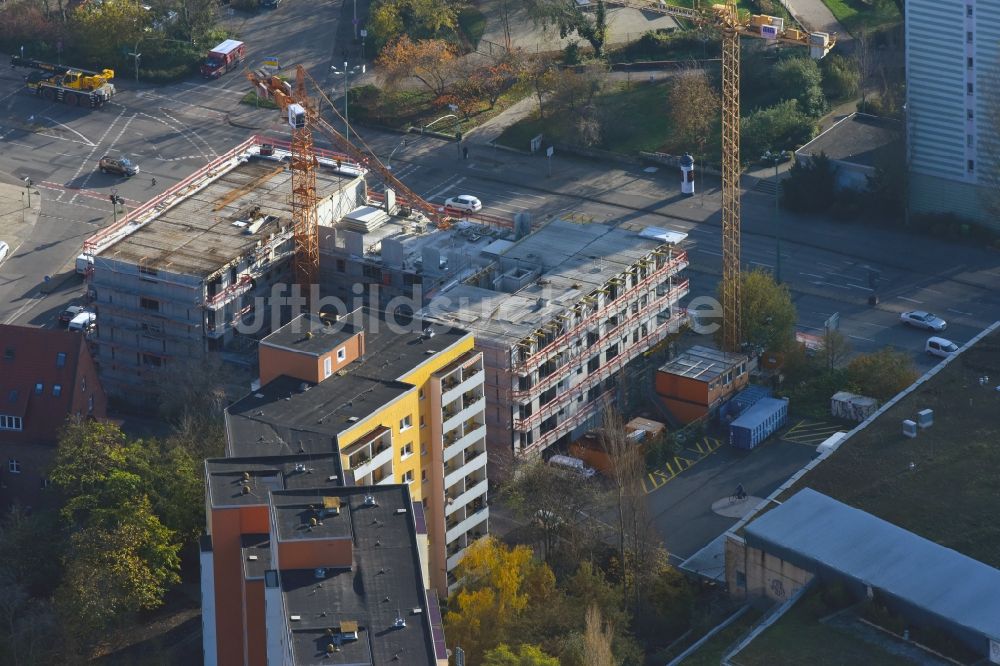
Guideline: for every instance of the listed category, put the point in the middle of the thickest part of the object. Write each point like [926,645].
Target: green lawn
[711,653]
[858,15]
[799,638]
[252,99]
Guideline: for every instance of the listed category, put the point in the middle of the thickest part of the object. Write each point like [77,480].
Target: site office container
[758,423]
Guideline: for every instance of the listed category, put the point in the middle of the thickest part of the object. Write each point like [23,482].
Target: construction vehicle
[734,23]
[302,116]
[227,56]
[69,85]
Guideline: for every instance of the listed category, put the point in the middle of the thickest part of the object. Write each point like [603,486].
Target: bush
[811,186]
[840,77]
[776,128]
[662,45]
[800,79]
[166,75]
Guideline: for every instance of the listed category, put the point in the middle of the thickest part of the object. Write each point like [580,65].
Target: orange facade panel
[314,368]
[685,412]
[670,385]
[315,553]
[256,635]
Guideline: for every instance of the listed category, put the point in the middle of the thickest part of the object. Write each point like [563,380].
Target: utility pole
[27,186]
[347,72]
[777,232]
[136,55]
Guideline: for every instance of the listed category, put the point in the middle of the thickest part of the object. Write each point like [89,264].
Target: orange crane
[303,117]
[733,24]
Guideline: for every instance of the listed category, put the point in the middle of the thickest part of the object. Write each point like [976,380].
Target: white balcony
[453,561]
[463,415]
[376,461]
[468,524]
[463,470]
[470,382]
[462,499]
[470,437]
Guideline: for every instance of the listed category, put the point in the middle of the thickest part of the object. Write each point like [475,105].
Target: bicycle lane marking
[659,477]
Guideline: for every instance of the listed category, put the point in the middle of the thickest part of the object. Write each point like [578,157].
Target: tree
[525,655]
[864,61]
[775,128]
[421,19]
[767,312]
[597,637]
[882,374]
[497,583]
[105,27]
[801,80]
[840,77]
[569,17]
[811,185]
[432,62]
[191,397]
[989,172]
[693,106]
[836,348]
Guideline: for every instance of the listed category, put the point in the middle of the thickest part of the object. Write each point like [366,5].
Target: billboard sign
[769,31]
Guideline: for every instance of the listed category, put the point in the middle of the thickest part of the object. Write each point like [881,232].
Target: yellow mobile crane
[70,85]
[733,24]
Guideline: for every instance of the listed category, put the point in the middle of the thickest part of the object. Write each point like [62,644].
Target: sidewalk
[815,16]
[17,219]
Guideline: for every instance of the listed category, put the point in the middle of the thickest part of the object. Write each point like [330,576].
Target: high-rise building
[400,403]
[953,107]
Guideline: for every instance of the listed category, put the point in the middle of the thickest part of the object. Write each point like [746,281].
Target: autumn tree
[422,19]
[597,637]
[767,312]
[569,17]
[693,107]
[523,655]
[497,584]
[104,27]
[881,374]
[432,62]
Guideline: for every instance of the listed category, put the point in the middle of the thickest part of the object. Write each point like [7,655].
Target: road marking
[760,263]
[818,277]
[33,299]
[525,194]
[446,185]
[967,314]
[858,337]
[858,286]
[911,300]
[657,478]
[90,155]
[718,254]
[86,141]
[934,291]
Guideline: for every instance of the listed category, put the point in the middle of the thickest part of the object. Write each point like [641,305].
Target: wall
[305,366]
[314,553]
[765,575]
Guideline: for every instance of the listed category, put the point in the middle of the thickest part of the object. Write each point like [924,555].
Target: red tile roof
[28,357]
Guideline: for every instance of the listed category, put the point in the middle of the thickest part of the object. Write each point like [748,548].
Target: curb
[243,125]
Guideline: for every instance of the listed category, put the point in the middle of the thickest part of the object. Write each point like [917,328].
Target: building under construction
[557,316]
[176,278]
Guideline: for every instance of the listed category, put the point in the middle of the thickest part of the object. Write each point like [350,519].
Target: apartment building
[187,273]
[557,316]
[46,377]
[296,568]
[400,402]
[953,97]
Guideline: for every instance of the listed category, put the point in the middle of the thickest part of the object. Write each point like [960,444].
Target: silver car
[925,320]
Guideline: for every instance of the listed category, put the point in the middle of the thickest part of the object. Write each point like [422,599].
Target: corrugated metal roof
[813,527]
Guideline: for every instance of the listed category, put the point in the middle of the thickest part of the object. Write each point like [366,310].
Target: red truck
[224,57]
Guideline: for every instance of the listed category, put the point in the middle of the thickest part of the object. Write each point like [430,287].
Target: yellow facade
[416,405]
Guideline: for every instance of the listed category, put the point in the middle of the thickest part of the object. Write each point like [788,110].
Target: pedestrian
[465,152]
[154,181]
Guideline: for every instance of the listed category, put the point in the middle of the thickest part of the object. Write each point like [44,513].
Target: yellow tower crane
[733,24]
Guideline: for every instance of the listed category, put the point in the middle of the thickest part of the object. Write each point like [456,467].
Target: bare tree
[636,544]
[864,59]
[694,105]
[989,144]
[597,638]
[503,9]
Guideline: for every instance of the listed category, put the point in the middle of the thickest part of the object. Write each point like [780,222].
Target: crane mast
[305,219]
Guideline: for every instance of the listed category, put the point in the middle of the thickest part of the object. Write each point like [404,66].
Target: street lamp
[388,160]
[27,186]
[776,158]
[357,69]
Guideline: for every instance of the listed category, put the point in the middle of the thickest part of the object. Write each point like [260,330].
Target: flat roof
[556,267]
[256,551]
[312,513]
[815,532]
[309,334]
[700,363]
[227,477]
[384,584]
[856,139]
[290,416]
[199,234]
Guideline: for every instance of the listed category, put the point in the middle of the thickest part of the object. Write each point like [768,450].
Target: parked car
[769,158]
[70,313]
[464,202]
[925,320]
[572,465]
[4,251]
[84,322]
[118,165]
[941,347]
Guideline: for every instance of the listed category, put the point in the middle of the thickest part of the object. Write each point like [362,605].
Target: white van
[85,321]
[940,347]
[571,464]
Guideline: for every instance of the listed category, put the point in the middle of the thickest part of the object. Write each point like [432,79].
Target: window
[407,450]
[408,476]
[968,141]
[146,270]
[968,11]
[968,37]
[39,388]
[60,359]
[969,62]
[45,483]
[968,88]
[405,423]
[83,384]
[149,304]
[420,394]
[423,475]
[14,466]
[423,449]
[152,361]
[10,423]
[90,404]
[8,354]
[341,354]
[340,265]
[56,390]
[971,166]
[12,396]
[423,422]
[969,114]
[327,367]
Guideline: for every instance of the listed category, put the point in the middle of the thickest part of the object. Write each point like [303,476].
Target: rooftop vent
[294,618]
[246,476]
[304,386]
[252,558]
[430,352]
[909,428]
[353,419]
[400,510]
[245,490]
[300,467]
[428,333]
[925,418]
[417,611]
[370,500]
[399,623]
[319,573]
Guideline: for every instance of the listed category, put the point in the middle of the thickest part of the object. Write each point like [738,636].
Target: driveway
[815,16]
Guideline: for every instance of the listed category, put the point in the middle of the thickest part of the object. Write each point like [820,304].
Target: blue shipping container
[758,423]
[742,401]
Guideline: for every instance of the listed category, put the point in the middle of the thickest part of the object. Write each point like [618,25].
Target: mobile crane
[734,23]
[69,85]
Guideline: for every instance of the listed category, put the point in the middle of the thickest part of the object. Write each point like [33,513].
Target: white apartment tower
[953,107]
